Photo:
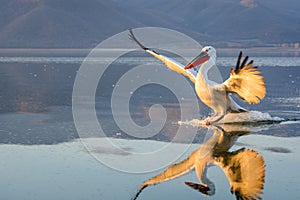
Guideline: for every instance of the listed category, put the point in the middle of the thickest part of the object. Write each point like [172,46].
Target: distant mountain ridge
[54,23]
[231,20]
[78,23]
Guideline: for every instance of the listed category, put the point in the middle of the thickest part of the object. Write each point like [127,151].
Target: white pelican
[244,80]
[244,168]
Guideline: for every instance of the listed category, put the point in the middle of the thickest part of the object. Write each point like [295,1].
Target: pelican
[244,168]
[245,81]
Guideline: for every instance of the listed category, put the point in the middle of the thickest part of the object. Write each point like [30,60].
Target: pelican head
[207,53]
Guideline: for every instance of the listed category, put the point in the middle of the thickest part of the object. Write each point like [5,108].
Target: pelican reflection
[244,168]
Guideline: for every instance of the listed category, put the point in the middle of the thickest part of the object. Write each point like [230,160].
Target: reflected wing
[245,171]
[246,81]
[169,62]
[171,172]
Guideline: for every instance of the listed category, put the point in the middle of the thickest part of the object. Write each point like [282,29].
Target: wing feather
[171,172]
[245,171]
[246,81]
[169,62]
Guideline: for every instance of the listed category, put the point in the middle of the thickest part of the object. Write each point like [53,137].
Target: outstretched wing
[169,62]
[170,173]
[246,81]
[245,170]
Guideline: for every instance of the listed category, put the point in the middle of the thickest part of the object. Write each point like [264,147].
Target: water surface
[42,157]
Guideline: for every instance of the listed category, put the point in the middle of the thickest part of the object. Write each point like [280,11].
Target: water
[222,61]
[42,157]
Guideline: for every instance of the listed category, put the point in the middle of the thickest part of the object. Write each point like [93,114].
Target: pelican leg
[214,119]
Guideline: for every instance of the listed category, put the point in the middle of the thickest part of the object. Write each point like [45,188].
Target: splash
[252,117]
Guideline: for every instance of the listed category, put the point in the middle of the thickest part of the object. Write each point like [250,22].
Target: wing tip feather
[133,38]
[247,81]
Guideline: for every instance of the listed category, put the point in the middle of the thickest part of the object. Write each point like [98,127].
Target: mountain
[263,21]
[65,23]
[78,23]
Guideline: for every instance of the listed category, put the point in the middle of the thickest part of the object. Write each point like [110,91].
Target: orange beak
[201,58]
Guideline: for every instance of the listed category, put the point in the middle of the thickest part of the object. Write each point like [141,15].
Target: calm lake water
[42,156]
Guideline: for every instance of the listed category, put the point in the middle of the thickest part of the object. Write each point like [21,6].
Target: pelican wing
[245,170]
[169,62]
[246,81]
[171,172]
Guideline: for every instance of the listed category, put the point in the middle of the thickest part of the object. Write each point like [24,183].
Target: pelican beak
[201,58]
[201,188]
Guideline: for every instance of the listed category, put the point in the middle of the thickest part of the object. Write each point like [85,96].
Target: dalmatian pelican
[245,81]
